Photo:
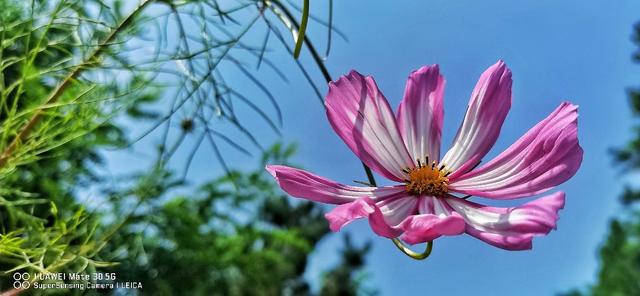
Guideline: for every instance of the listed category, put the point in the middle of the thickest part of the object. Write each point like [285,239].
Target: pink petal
[361,116]
[436,219]
[381,218]
[300,183]
[396,210]
[395,216]
[421,112]
[546,156]
[488,107]
[510,228]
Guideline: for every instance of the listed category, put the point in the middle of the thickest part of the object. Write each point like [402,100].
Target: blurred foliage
[67,69]
[44,227]
[236,235]
[619,256]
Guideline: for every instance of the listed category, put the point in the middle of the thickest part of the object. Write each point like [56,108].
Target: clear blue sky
[558,50]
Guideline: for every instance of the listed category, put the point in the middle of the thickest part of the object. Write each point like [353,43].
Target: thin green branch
[26,130]
[302,30]
[287,18]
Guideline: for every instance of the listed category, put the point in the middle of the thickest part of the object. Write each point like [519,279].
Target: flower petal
[381,218]
[395,216]
[395,210]
[421,112]
[436,219]
[546,156]
[488,107]
[303,184]
[361,116]
[510,228]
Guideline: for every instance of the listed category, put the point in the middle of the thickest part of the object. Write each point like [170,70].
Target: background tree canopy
[619,256]
[71,66]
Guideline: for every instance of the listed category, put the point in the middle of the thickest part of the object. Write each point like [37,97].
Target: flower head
[431,198]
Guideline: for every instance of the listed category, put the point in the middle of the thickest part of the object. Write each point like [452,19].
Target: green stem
[411,253]
[314,53]
[325,72]
[367,170]
[302,30]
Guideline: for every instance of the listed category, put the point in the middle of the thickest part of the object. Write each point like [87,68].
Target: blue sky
[558,50]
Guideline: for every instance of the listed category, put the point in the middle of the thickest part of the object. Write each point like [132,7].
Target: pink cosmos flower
[431,200]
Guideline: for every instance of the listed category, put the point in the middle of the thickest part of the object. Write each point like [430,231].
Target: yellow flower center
[427,179]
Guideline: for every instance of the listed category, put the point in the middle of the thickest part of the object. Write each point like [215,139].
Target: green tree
[619,256]
[234,235]
[43,224]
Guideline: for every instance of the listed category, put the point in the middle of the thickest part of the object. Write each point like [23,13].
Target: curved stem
[411,253]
